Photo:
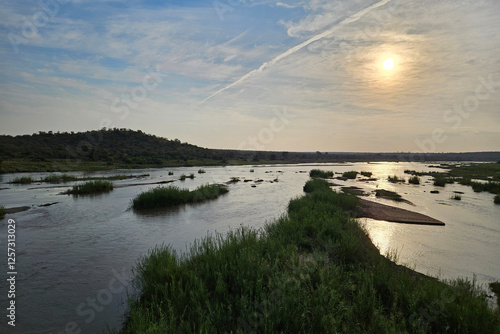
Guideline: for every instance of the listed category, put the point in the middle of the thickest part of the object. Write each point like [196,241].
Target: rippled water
[75,258]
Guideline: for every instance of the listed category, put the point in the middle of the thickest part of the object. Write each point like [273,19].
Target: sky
[304,75]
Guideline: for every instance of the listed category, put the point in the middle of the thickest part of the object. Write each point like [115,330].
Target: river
[75,258]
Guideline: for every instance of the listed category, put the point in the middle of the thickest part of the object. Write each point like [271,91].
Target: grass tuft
[23,180]
[2,212]
[320,173]
[163,197]
[367,174]
[496,199]
[350,175]
[414,180]
[91,187]
[201,171]
[395,179]
[440,181]
[58,178]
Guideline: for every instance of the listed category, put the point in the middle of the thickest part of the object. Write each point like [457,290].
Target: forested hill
[125,148]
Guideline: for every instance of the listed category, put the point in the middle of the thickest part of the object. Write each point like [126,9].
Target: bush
[414,180]
[320,173]
[191,176]
[439,181]
[496,200]
[162,197]
[367,174]
[350,175]
[315,185]
[23,180]
[170,173]
[395,179]
[92,187]
[183,177]
[201,171]
[251,170]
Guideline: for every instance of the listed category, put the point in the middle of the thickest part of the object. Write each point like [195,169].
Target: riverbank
[313,270]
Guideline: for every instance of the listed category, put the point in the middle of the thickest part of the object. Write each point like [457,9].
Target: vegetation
[434,191]
[456,196]
[414,180]
[163,197]
[58,178]
[170,173]
[320,173]
[91,187]
[183,177]
[350,175]
[490,186]
[2,212]
[367,174]
[496,199]
[314,270]
[395,179]
[316,184]
[201,171]
[23,180]
[495,288]
[191,176]
[251,170]
[234,179]
[440,181]
[388,195]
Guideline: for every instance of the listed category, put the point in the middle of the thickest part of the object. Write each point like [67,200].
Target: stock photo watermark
[11,272]
[48,9]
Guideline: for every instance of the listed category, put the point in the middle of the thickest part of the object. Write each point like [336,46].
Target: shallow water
[75,258]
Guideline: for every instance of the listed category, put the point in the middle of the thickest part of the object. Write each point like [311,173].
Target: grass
[191,176]
[490,186]
[496,199]
[163,197]
[183,177]
[316,184]
[414,180]
[495,288]
[251,170]
[367,174]
[456,197]
[395,179]
[440,181]
[2,212]
[91,187]
[23,180]
[58,178]
[320,173]
[234,179]
[350,175]
[388,194]
[314,270]
[170,173]
[434,191]
[201,171]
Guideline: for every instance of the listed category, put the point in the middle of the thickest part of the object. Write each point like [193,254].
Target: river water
[75,259]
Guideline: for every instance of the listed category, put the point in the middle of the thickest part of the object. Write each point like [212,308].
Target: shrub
[191,176]
[320,173]
[170,173]
[496,200]
[456,197]
[23,180]
[439,181]
[201,171]
[316,185]
[92,187]
[183,177]
[367,174]
[414,180]
[350,175]
[251,170]
[395,179]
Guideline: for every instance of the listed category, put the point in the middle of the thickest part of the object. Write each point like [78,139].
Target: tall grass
[496,199]
[162,197]
[350,174]
[23,180]
[395,179]
[316,184]
[367,174]
[58,178]
[313,270]
[440,181]
[414,180]
[2,212]
[320,173]
[92,187]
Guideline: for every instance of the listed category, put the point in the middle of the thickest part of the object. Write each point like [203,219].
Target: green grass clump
[367,174]
[2,212]
[58,178]
[395,179]
[251,170]
[170,173]
[456,197]
[183,177]
[191,176]
[496,199]
[314,270]
[440,181]
[201,171]
[316,184]
[92,187]
[23,180]
[350,175]
[320,173]
[495,288]
[388,194]
[414,180]
[163,197]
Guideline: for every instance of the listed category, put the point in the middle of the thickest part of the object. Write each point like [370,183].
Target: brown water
[75,258]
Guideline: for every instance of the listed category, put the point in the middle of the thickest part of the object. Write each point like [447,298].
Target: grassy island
[91,187]
[162,197]
[320,173]
[314,270]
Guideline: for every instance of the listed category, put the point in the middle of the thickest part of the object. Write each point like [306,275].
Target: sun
[388,64]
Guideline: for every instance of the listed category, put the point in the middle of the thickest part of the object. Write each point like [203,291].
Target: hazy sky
[275,75]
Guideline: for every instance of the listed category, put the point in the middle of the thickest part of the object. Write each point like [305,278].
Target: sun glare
[388,64]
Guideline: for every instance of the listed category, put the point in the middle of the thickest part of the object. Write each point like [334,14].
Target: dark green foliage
[234,179]
[414,180]
[350,175]
[23,180]
[183,177]
[201,171]
[456,197]
[92,187]
[312,271]
[57,178]
[320,173]
[2,212]
[440,181]
[170,173]
[316,184]
[191,176]
[388,194]
[495,288]
[395,179]
[496,199]
[434,191]
[490,186]
[162,197]
[367,174]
